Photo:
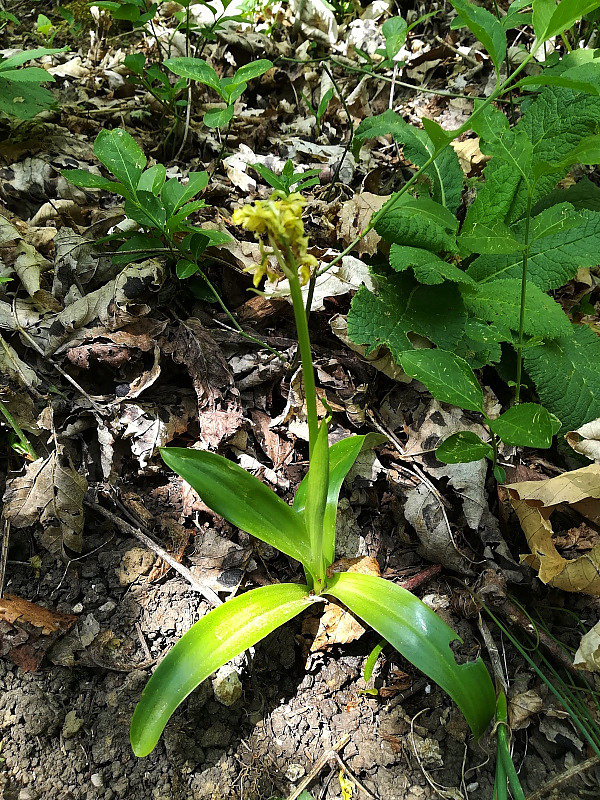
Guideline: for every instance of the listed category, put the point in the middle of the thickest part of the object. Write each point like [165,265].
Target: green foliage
[138,12]
[485,26]
[447,376]
[228,89]
[22,94]
[288,181]
[462,447]
[161,207]
[526,425]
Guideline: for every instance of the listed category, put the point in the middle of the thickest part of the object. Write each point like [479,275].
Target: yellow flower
[278,224]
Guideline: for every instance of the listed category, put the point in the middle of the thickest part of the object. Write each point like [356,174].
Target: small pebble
[96,780]
[107,607]
[26,794]
[77,608]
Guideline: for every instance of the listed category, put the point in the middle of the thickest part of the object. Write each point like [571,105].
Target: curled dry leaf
[587,656]
[535,502]
[586,440]
[50,492]
[355,215]
[27,631]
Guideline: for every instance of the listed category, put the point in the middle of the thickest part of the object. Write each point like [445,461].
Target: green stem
[23,440]
[308,371]
[502,734]
[520,342]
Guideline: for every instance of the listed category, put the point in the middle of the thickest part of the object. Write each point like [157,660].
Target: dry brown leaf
[337,625]
[522,706]
[355,215]
[469,154]
[535,502]
[28,630]
[50,492]
[587,656]
[586,440]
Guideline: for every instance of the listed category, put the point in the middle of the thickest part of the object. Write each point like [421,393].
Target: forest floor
[151,362]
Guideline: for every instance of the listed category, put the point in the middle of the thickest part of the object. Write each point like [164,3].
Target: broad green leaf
[437,134]
[152,179]
[583,194]
[195,69]
[219,118]
[185,269]
[542,14]
[490,238]
[317,482]
[29,55]
[462,447]
[122,155]
[89,180]
[176,221]
[558,80]
[481,343]
[24,101]
[445,173]
[147,210]
[395,31]
[526,425]
[573,242]
[422,638]
[241,499]
[565,372]
[28,75]
[427,267]
[447,376]
[498,302]
[419,222]
[342,457]
[253,70]
[401,306]
[565,16]
[214,640]
[486,27]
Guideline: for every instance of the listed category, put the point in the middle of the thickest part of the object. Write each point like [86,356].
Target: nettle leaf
[447,376]
[421,637]
[463,447]
[486,27]
[526,425]
[489,238]
[402,306]
[565,372]
[122,155]
[573,243]
[213,641]
[445,173]
[481,343]
[498,302]
[427,267]
[24,100]
[196,69]
[562,18]
[419,222]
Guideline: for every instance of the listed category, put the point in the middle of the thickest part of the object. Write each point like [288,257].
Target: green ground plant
[305,531]
[478,288]
[22,93]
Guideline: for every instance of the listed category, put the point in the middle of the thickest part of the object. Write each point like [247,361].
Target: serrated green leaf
[486,27]
[122,155]
[498,302]
[219,118]
[401,306]
[445,173]
[195,69]
[583,194]
[213,641]
[565,372]
[463,447]
[421,637]
[489,238]
[342,456]
[24,101]
[573,243]
[447,376]
[419,222]
[89,180]
[242,499]
[481,344]
[427,267]
[535,81]
[526,425]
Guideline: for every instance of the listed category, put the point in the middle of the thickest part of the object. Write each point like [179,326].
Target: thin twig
[211,596]
[346,769]
[4,553]
[320,764]
[565,776]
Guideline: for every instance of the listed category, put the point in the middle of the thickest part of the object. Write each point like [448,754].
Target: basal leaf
[566,375]
[489,238]
[317,482]
[422,638]
[213,641]
[427,266]
[418,222]
[498,302]
[241,499]
[445,173]
[24,101]
[486,28]
[122,155]
[447,376]
[28,55]
[401,306]
[526,425]
[463,447]
[342,456]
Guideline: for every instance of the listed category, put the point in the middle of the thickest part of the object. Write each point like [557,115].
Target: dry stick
[346,769]
[322,761]
[572,772]
[206,592]
[4,553]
